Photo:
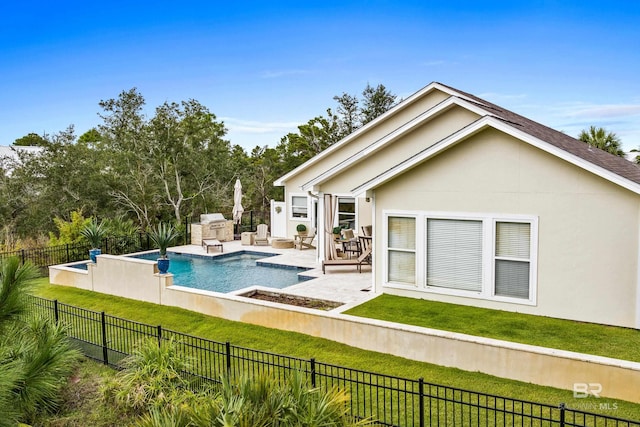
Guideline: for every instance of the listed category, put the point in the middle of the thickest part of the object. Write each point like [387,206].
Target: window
[454,254]
[512,259]
[299,208]
[401,243]
[473,255]
[347,212]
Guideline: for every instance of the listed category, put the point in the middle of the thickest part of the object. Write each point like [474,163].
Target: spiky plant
[151,378]
[15,280]
[94,232]
[36,357]
[162,236]
[47,360]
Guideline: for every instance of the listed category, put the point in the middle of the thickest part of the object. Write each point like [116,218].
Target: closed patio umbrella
[237,202]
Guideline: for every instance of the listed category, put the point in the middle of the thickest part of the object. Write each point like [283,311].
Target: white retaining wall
[556,368]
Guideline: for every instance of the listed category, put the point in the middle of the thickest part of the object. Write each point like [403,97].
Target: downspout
[637,314]
[371,197]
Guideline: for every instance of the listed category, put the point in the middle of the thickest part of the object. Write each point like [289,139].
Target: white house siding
[338,154]
[399,150]
[587,226]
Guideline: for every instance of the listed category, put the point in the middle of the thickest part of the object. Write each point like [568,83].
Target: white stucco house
[474,204]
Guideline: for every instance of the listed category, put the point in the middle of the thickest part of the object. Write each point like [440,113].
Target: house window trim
[533,257]
[489,221]
[296,218]
[355,202]
[385,245]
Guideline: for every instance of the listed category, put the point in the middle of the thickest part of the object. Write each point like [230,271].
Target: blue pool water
[226,273]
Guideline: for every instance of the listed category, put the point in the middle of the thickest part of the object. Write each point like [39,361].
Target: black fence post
[159,329]
[56,314]
[313,372]
[68,258]
[421,401]
[562,414]
[251,229]
[106,245]
[105,350]
[227,346]
[22,255]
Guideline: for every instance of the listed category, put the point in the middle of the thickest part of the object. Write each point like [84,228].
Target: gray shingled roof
[618,165]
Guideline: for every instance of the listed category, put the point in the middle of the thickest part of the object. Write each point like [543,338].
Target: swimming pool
[228,272]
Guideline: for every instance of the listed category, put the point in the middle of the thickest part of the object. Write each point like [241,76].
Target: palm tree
[15,281]
[36,358]
[600,138]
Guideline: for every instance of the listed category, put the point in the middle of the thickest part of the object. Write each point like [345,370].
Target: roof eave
[401,106]
[479,125]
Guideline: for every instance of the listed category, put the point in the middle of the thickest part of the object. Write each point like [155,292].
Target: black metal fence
[388,400]
[62,254]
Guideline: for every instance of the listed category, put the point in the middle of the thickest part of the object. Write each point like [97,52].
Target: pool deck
[340,283]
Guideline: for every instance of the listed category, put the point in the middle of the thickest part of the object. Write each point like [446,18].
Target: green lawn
[304,346]
[609,341]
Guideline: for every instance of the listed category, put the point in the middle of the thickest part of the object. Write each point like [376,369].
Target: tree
[187,143]
[125,141]
[376,102]
[599,137]
[90,138]
[32,140]
[313,137]
[350,116]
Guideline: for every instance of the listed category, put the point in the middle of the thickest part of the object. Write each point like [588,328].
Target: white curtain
[330,206]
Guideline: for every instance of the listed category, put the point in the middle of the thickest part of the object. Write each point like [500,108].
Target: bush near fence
[63,254]
[388,400]
[118,245]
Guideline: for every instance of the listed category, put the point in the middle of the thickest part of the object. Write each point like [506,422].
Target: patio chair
[367,230]
[306,241]
[262,235]
[207,243]
[364,258]
[350,244]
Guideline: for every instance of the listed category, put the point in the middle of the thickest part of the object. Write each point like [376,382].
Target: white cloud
[603,111]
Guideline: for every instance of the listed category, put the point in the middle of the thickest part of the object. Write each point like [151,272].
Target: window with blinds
[454,254]
[401,250]
[513,259]
[299,207]
[465,254]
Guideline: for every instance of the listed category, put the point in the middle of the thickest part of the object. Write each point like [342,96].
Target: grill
[211,226]
[214,220]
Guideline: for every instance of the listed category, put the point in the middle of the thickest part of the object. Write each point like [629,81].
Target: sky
[265,67]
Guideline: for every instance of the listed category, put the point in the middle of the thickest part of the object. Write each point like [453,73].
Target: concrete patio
[340,283]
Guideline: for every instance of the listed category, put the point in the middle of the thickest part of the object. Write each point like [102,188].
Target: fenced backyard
[43,257]
[388,400]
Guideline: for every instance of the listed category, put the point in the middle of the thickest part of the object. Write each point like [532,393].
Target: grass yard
[590,338]
[304,346]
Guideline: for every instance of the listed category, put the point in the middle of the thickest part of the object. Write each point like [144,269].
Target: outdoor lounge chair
[262,235]
[306,241]
[207,243]
[364,258]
